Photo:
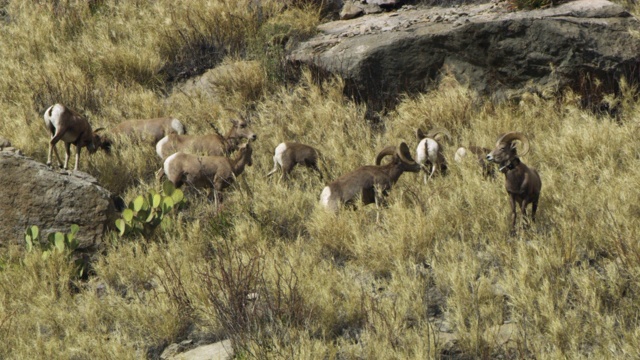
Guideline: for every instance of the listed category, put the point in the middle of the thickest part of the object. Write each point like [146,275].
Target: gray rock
[33,194]
[496,51]
[355,8]
[219,351]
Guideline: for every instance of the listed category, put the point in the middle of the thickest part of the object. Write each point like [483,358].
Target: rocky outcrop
[355,8]
[220,351]
[33,194]
[495,50]
[4,143]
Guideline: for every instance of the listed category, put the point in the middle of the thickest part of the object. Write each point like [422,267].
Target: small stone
[4,143]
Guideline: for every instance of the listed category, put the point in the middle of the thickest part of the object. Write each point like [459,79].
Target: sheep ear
[234,121]
[419,134]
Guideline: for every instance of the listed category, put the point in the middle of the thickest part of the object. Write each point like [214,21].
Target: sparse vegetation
[272,271]
[145,213]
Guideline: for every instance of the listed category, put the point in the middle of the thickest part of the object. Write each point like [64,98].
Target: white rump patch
[56,113]
[427,150]
[325,196]
[461,153]
[177,126]
[277,157]
[160,145]
[167,164]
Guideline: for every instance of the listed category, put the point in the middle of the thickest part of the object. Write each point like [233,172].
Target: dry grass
[439,265]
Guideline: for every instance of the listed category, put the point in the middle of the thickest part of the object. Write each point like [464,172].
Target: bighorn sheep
[210,145]
[67,125]
[289,154]
[522,182]
[481,155]
[371,181]
[217,172]
[151,130]
[429,152]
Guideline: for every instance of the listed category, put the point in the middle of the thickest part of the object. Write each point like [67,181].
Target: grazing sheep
[371,181]
[217,172]
[481,155]
[212,144]
[523,183]
[151,130]
[429,153]
[289,154]
[67,125]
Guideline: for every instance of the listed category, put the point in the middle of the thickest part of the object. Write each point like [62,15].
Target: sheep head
[241,128]
[99,141]
[505,150]
[401,156]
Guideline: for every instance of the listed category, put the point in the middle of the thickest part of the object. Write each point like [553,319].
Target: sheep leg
[52,148]
[525,218]
[377,201]
[160,174]
[534,208]
[377,195]
[275,167]
[67,154]
[512,202]
[424,171]
[215,198]
[78,148]
[315,167]
[287,167]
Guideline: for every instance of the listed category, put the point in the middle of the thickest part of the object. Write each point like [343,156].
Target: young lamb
[289,154]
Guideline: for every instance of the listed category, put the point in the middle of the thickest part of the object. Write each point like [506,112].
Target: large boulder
[33,194]
[496,50]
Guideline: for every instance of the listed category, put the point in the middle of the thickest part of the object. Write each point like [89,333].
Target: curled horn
[514,135]
[437,131]
[389,150]
[404,154]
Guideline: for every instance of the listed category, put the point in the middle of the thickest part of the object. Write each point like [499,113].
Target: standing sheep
[289,154]
[217,172]
[523,183]
[429,152]
[67,125]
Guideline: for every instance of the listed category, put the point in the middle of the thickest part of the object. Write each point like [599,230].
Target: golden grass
[328,286]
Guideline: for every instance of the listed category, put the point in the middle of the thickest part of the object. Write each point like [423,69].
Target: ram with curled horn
[429,152]
[522,182]
[370,182]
